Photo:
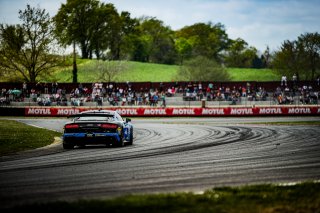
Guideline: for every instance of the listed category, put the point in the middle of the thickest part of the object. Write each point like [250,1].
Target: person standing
[163,99]
[284,80]
[25,89]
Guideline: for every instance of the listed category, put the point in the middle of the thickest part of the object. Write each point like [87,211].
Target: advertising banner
[178,112]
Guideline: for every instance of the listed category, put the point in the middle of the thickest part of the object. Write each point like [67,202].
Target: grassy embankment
[16,136]
[148,72]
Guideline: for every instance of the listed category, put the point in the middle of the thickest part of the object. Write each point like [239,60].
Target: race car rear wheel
[120,143]
[131,137]
[68,146]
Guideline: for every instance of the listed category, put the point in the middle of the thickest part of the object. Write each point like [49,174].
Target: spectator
[155,99]
[46,88]
[24,89]
[54,87]
[139,99]
[284,80]
[33,95]
[210,86]
[200,86]
[80,88]
[124,100]
[244,92]
[295,79]
[163,99]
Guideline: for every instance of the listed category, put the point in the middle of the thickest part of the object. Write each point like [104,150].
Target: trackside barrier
[180,112]
[12,111]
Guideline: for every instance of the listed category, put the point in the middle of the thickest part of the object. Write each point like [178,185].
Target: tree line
[33,48]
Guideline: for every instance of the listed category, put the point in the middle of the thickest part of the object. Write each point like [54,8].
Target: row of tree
[102,32]
[30,49]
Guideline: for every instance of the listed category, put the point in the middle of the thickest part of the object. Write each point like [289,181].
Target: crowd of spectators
[114,95]
[289,91]
[291,95]
[196,92]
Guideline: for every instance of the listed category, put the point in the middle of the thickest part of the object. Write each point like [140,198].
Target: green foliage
[27,50]
[75,23]
[202,69]
[207,40]
[156,43]
[95,26]
[183,48]
[301,57]
[240,55]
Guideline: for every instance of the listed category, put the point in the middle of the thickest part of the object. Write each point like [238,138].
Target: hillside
[148,72]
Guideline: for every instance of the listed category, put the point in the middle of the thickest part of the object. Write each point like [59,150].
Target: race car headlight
[119,130]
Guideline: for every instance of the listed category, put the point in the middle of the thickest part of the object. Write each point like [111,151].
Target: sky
[260,23]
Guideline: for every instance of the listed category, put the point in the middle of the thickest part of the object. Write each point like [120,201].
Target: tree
[309,45]
[266,58]
[109,70]
[122,29]
[27,50]
[183,49]
[156,41]
[201,68]
[286,60]
[301,57]
[75,23]
[240,55]
[105,17]
[206,39]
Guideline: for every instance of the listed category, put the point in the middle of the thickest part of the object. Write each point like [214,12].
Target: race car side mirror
[128,120]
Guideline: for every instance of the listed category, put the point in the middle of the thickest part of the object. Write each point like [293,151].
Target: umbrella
[16,92]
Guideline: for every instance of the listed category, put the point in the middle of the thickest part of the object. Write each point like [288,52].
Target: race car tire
[68,146]
[121,142]
[131,137]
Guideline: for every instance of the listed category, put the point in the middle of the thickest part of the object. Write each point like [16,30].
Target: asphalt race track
[168,155]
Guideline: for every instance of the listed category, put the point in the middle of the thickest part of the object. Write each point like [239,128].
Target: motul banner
[188,112]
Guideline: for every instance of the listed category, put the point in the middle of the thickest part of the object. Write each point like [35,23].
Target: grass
[16,136]
[244,74]
[149,72]
[266,198]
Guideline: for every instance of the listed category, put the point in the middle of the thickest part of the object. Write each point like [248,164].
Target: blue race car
[97,127]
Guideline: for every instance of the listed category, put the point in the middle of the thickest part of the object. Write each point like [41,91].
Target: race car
[94,127]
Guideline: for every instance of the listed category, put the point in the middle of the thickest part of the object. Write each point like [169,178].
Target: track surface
[168,155]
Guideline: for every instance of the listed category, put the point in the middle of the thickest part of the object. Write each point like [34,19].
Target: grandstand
[182,94]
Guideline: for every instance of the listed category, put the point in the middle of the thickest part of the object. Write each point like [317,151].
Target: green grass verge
[16,136]
[245,74]
[149,72]
[303,197]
